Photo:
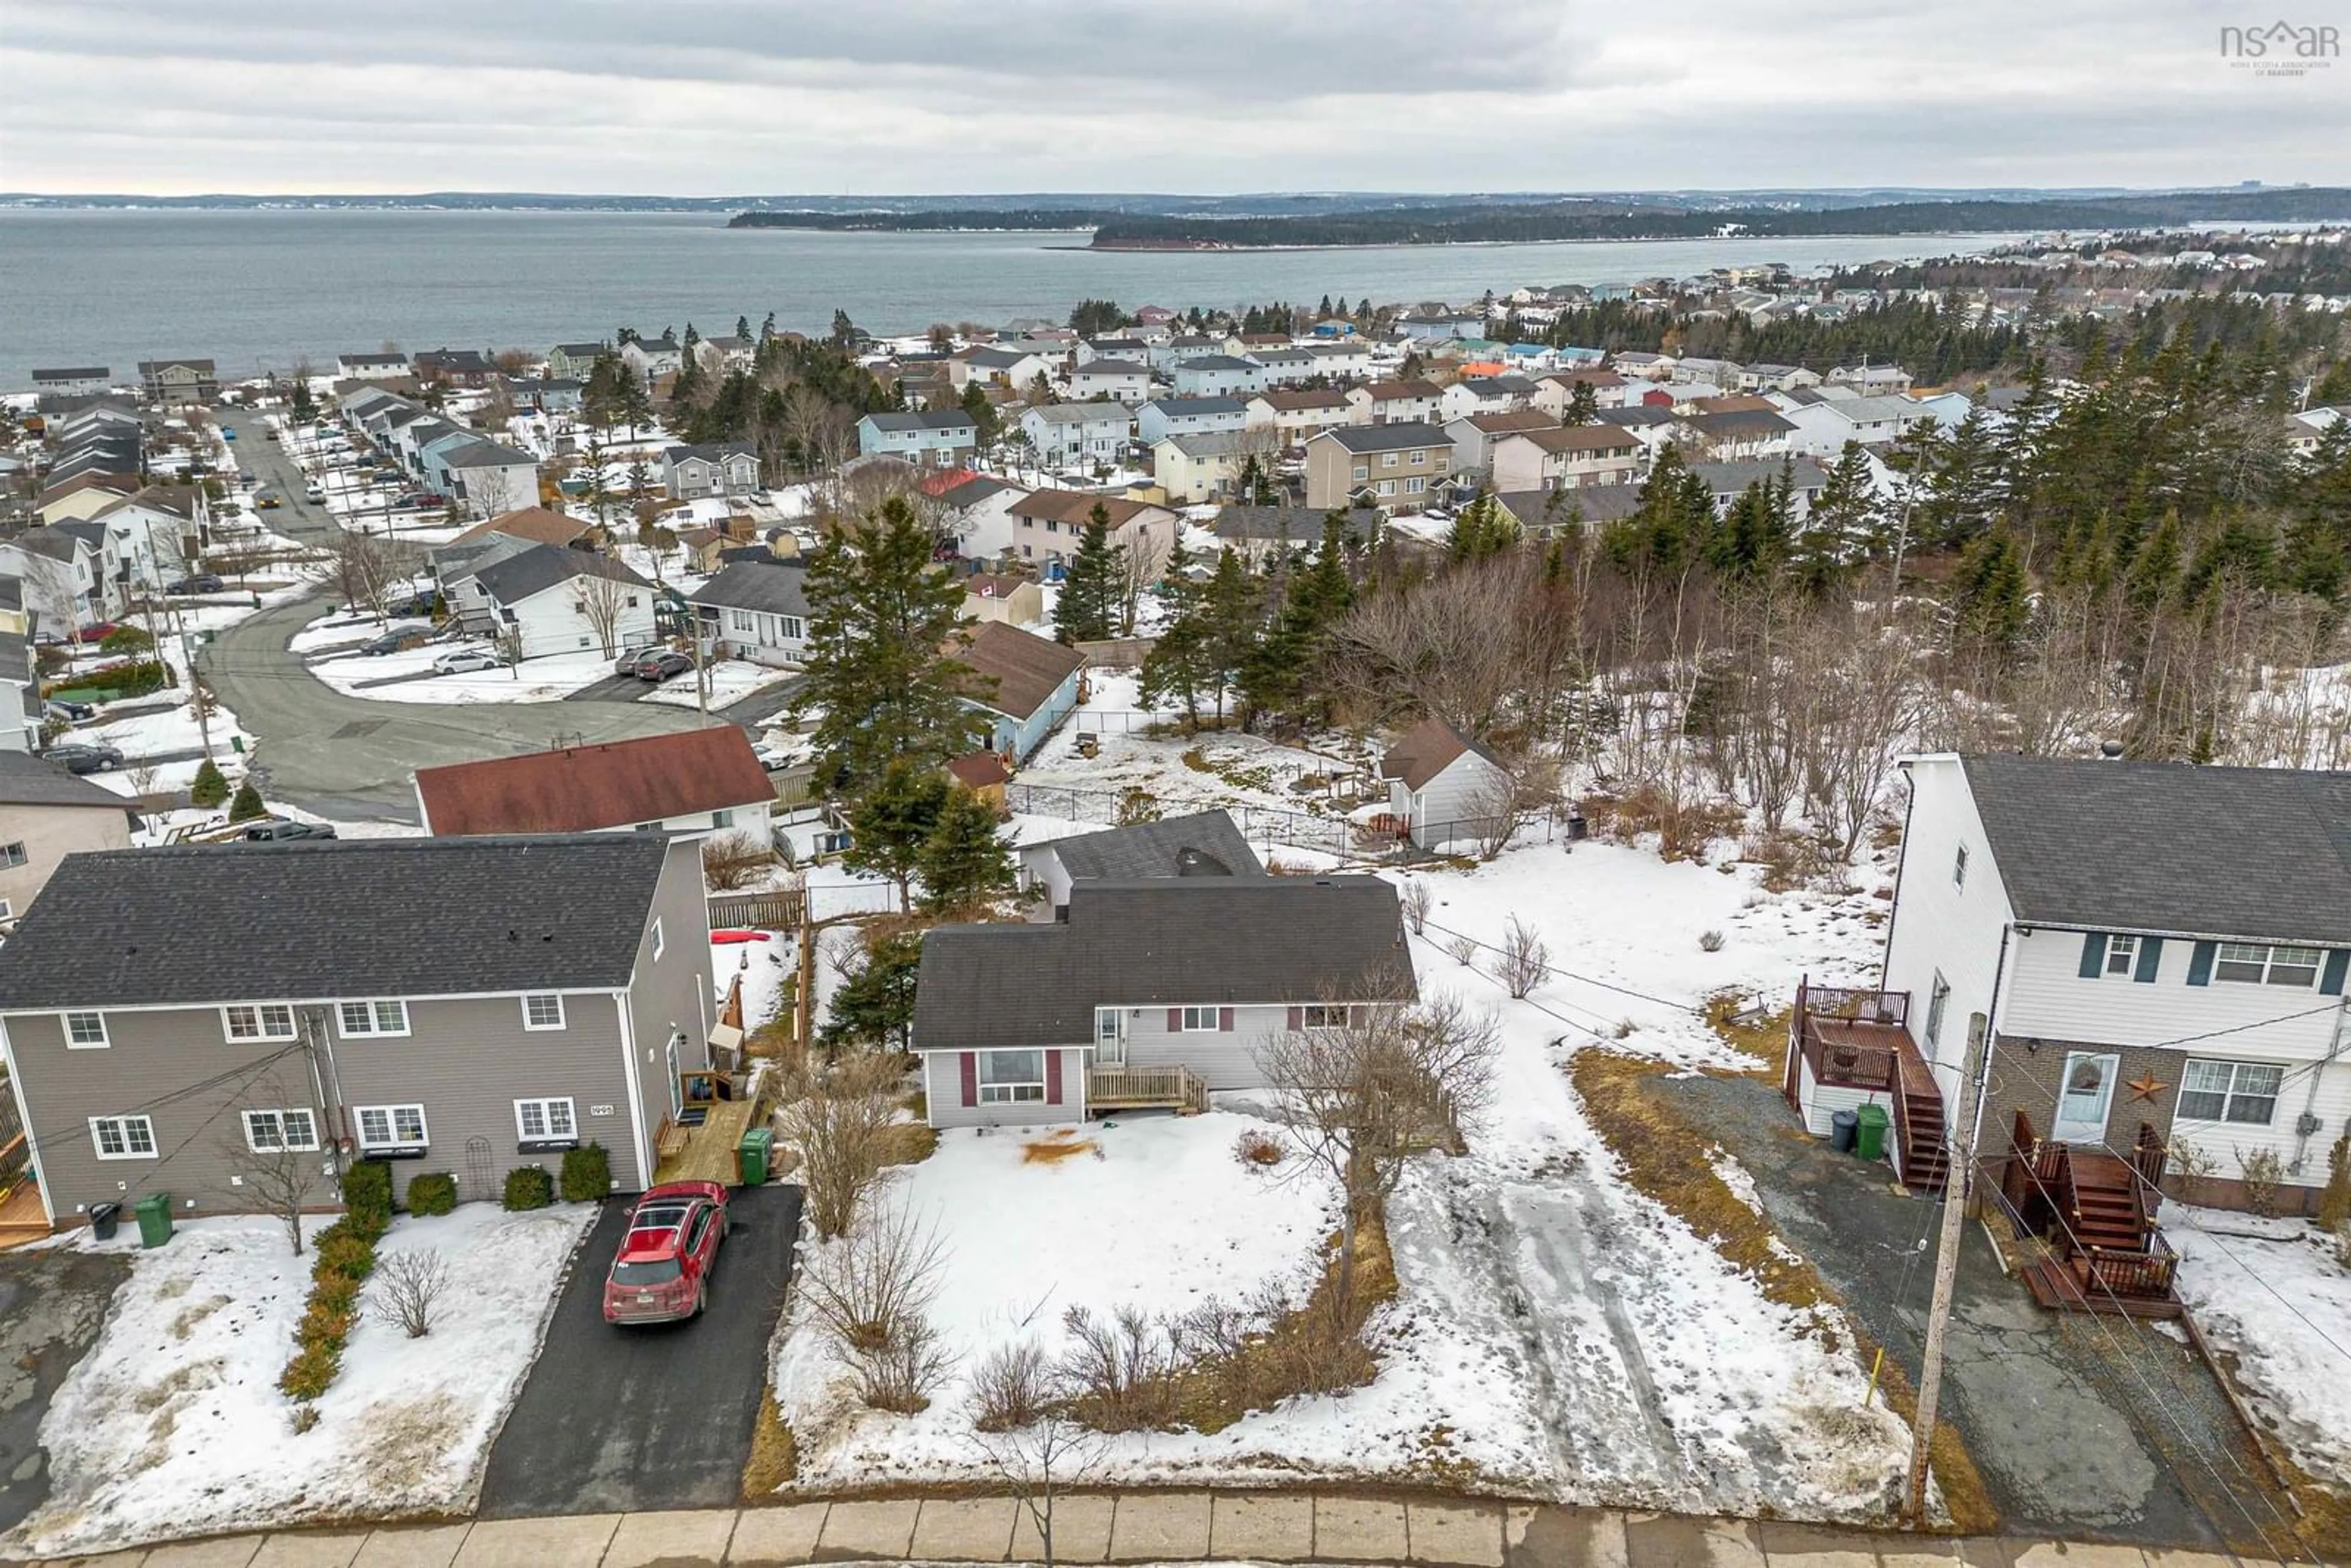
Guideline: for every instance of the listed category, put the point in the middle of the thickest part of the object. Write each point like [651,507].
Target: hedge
[528,1186]
[368,1185]
[435,1192]
[587,1174]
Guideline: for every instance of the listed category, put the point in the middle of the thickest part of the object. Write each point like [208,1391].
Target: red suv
[661,1272]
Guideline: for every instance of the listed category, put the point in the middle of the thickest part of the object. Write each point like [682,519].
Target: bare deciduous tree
[408,1287]
[842,1129]
[601,602]
[1524,962]
[870,1293]
[369,572]
[276,1166]
[1039,1461]
[1418,901]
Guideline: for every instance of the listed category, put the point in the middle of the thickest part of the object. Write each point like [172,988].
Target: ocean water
[257,290]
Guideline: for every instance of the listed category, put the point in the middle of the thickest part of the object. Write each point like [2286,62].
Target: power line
[1570,975]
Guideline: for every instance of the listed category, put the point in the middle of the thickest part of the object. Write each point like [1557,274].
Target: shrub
[528,1186]
[1012,1386]
[209,792]
[338,1291]
[1121,1370]
[248,804]
[732,861]
[587,1174]
[1710,942]
[367,1188]
[133,678]
[434,1192]
[410,1292]
[367,1224]
[1524,962]
[844,1128]
[1259,1149]
[323,1324]
[2264,1172]
[870,1295]
[343,1254]
[313,1368]
[127,640]
[2335,1199]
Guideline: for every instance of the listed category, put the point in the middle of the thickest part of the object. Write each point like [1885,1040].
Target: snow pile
[731,681]
[407,676]
[2278,1304]
[173,1425]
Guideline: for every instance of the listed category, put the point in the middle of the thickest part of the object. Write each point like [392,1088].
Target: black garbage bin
[1842,1126]
[103,1218]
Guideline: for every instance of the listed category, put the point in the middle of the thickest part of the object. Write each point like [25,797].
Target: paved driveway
[52,1303]
[629,1420]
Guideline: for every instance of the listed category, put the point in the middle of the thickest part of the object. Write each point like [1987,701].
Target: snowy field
[2270,1293]
[407,676]
[173,1425]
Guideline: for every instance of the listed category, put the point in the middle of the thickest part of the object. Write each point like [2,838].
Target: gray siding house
[170,1015]
[1152,992]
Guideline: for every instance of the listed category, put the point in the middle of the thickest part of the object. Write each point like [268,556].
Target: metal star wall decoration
[2146,1088]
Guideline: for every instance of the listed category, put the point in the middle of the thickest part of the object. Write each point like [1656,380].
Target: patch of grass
[1063,1144]
[1643,1129]
[909,1143]
[775,1461]
[1764,1041]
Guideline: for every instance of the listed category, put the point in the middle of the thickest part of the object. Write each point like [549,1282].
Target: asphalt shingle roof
[1163,941]
[28,780]
[777,588]
[349,917]
[2254,853]
[541,567]
[1163,848]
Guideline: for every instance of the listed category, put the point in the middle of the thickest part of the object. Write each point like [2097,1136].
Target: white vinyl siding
[122,1137]
[275,1132]
[267,1020]
[391,1126]
[2260,964]
[360,1020]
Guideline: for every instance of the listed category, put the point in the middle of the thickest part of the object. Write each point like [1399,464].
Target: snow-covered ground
[731,681]
[541,680]
[2271,1293]
[173,1425]
[764,966]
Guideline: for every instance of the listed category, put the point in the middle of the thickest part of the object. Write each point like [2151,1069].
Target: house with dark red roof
[696,783]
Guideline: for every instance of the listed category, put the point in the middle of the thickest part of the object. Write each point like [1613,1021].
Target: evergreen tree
[1752,540]
[1175,667]
[844,331]
[879,666]
[875,1006]
[1671,525]
[1988,593]
[1277,676]
[965,861]
[2154,577]
[1582,406]
[1962,487]
[247,805]
[1840,527]
[209,788]
[988,428]
[1089,596]
[890,825]
[1484,529]
[767,326]
[743,330]
[2318,532]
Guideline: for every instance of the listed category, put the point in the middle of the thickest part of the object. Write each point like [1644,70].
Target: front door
[1110,1037]
[2086,1093]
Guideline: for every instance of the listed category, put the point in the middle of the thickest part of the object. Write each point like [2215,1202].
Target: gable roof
[1175,941]
[1428,749]
[974,490]
[616,784]
[1300,526]
[948,421]
[772,586]
[1565,438]
[1205,843]
[80,482]
[1178,407]
[29,780]
[2165,847]
[1077,507]
[1027,669]
[1585,503]
[1397,392]
[349,917]
[535,570]
[1302,401]
[535,524]
[1513,420]
[1384,437]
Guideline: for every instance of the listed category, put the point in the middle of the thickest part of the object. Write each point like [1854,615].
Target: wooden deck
[1146,1089]
[20,1217]
[710,1151]
[2058,1286]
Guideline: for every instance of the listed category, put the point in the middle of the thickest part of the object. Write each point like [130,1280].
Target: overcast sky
[724,97]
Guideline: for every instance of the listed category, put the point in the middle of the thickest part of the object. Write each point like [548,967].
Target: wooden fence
[778,911]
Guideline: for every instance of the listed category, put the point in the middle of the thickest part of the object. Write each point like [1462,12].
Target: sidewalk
[1137,1527]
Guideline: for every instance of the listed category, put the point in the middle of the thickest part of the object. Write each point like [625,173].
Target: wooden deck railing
[1829,1027]
[2148,1274]
[1854,1004]
[1174,1087]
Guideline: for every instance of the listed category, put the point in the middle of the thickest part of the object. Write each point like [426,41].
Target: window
[2242,1091]
[1419,459]
[738,620]
[276,1132]
[85,1031]
[1387,487]
[1007,1076]
[373,1017]
[1937,999]
[1196,1020]
[11,855]
[1959,867]
[544,1011]
[658,943]
[2122,954]
[2260,964]
[123,1137]
[545,1120]
[1106,1029]
[791,627]
[723,818]
[1325,1018]
[1362,471]
[391,1126]
[1387,459]
[271,1020]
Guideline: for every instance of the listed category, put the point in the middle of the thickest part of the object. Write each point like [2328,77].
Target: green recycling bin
[155,1212]
[758,1144]
[1869,1132]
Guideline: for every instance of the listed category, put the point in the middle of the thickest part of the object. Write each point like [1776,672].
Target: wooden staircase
[1918,1125]
[2102,1203]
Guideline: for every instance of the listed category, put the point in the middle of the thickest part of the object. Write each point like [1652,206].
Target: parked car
[245,475]
[661,1272]
[398,640]
[626,665]
[65,710]
[268,501]
[463,661]
[202,583]
[228,432]
[94,634]
[77,756]
[426,603]
[659,667]
[278,829]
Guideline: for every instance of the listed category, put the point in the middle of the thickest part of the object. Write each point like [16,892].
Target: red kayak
[738,936]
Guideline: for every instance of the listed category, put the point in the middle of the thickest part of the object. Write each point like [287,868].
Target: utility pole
[1947,1264]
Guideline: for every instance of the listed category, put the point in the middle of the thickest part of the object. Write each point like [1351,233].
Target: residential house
[1194,468]
[1014,368]
[712,468]
[1726,482]
[486,477]
[934,438]
[1729,437]
[1204,843]
[1443,786]
[551,394]
[546,599]
[698,783]
[21,710]
[179,383]
[454,569]
[1647,366]
[1555,394]
[1030,684]
[1049,524]
[1395,402]
[1435,323]
[1871,380]
[1346,360]
[153,536]
[1484,394]
[455,367]
[1566,457]
[83,496]
[1823,428]
[1719,372]
[1298,416]
[649,360]
[978,514]
[460,1006]
[1285,366]
[1133,351]
[1121,380]
[1076,435]
[64,577]
[1265,535]
[1218,375]
[997,596]
[574,362]
[757,610]
[1473,435]
[1389,465]
[1545,515]
[1154,991]
[73,381]
[1777,378]
[532,525]
[1157,420]
[370,367]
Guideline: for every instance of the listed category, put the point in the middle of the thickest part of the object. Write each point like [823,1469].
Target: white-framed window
[1008,1076]
[738,621]
[1387,487]
[276,1132]
[723,818]
[379,1016]
[11,855]
[1419,458]
[391,1126]
[545,1120]
[257,1020]
[85,1031]
[7,910]
[1959,867]
[1415,486]
[1324,1016]
[2243,1091]
[791,628]
[2262,963]
[1362,471]
[122,1137]
[2122,954]
[1387,459]
[658,943]
[1936,1000]
[1196,1020]
[544,1010]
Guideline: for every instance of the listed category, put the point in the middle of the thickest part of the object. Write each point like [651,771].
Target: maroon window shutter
[1175,1020]
[971,1078]
[1297,1020]
[1052,1078]
[1224,1020]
